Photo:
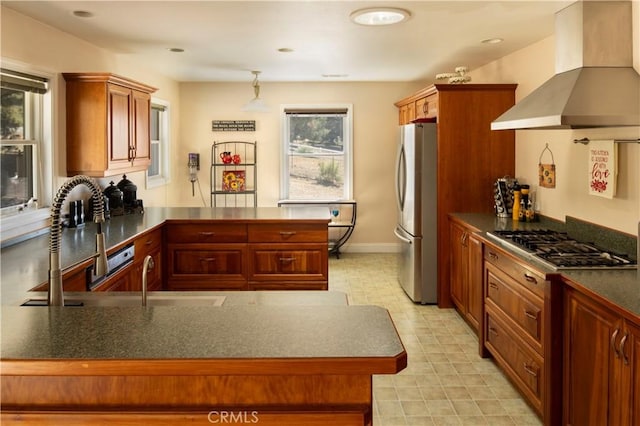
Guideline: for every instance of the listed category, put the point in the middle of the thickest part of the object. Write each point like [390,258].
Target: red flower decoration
[599,185]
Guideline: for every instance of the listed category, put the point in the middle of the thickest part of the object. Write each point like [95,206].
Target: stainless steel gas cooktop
[557,250]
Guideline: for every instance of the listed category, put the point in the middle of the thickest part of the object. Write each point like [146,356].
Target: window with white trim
[317,152]
[26,151]
[158,171]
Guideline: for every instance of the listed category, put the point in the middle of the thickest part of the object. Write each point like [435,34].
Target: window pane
[316,156]
[12,114]
[154,167]
[17,172]
[155,124]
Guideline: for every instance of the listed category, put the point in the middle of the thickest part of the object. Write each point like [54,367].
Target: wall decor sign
[546,171]
[233,125]
[603,168]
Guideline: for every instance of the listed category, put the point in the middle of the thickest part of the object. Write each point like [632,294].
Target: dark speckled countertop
[619,287]
[26,265]
[198,332]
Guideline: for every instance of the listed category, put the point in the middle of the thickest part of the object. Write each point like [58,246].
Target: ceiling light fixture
[380,16]
[492,40]
[82,14]
[256,104]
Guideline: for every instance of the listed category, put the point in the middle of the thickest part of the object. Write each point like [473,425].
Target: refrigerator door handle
[401,177]
[401,238]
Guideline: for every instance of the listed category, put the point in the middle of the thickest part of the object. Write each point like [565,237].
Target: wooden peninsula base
[266,365]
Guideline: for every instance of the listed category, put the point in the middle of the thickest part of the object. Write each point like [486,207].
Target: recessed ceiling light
[285,50]
[82,14]
[175,49]
[492,40]
[380,16]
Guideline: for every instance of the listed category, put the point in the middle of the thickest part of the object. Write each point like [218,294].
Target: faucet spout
[148,264]
[56,293]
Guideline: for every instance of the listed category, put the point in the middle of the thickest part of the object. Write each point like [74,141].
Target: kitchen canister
[546,171]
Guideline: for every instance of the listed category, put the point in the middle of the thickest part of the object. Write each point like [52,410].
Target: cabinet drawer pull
[613,342]
[625,358]
[463,238]
[287,259]
[493,331]
[530,370]
[493,255]
[530,315]
[148,242]
[287,233]
[494,286]
[207,259]
[206,234]
[530,278]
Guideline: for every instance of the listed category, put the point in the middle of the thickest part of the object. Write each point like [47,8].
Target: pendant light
[256,104]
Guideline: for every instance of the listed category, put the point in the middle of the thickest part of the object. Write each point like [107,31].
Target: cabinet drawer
[524,366]
[197,260]
[521,273]
[292,263]
[288,233]
[526,310]
[206,233]
[146,243]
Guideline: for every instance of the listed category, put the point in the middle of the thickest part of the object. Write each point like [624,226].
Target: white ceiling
[224,40]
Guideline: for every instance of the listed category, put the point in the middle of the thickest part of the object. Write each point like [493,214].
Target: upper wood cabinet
[108,119]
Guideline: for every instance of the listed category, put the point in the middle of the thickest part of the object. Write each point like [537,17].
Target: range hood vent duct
[595,84]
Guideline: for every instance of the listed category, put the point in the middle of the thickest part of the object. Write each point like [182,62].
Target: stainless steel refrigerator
[416,197]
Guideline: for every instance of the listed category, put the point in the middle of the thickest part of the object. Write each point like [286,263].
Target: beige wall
[374,132]
[30,43]
[531,67]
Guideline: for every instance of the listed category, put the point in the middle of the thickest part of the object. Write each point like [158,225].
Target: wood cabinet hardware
[206,234]
[613,342]
[494,286]
[622,353]
[493,331]
[530,278]
[530,370]
[287,233]
[287,259]
[207,259]
[493,255]
[530,315]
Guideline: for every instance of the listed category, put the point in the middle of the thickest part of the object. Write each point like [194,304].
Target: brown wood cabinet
[108,124]
[293,255]
[466,272]
[601,364]
[254,256]
[147,244]
[522,310]
[470,155]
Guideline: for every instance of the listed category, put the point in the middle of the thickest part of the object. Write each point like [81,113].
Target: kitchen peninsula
[273,357]
[249,243]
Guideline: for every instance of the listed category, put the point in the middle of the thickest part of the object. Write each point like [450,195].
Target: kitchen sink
[133,300]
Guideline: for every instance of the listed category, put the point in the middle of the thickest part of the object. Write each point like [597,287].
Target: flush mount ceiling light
[256,104]
[492,40]
[376,16]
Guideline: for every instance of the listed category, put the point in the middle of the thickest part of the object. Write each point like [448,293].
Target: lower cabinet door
[206,267]
[289,263]
[521,363]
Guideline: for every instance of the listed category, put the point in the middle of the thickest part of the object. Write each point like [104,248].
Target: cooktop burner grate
[559,251]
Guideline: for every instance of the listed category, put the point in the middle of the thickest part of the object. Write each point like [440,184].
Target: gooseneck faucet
[146,266]
[100,267]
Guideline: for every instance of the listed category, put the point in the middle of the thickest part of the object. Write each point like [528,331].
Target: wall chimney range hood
[595,84]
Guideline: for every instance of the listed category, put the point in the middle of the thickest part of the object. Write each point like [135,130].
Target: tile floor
[445,382]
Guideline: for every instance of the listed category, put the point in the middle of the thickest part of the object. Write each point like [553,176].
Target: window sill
[22,226]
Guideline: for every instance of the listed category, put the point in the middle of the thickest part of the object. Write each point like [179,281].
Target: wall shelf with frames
[233,174]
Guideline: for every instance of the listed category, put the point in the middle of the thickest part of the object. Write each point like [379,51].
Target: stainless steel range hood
[595,84]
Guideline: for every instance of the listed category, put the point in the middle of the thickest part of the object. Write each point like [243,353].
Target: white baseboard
[370,248]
